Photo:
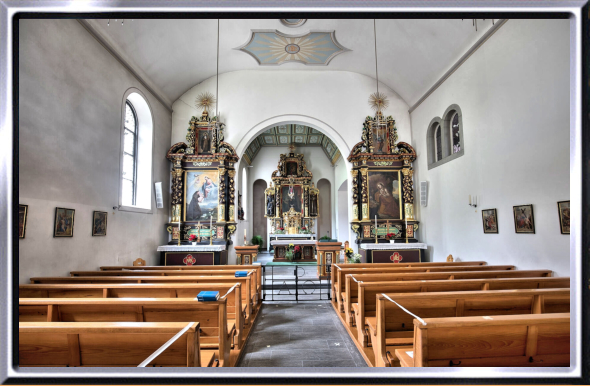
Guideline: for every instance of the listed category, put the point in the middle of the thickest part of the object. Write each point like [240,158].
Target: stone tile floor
[305,334]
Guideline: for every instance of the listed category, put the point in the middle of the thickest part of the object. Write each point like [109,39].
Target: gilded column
[355,195]
[232,213]
[408,191]
[176,194]
[222,200]
[365,193]
[306,200]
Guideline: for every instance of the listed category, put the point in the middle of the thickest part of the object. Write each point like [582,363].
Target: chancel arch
[259,223]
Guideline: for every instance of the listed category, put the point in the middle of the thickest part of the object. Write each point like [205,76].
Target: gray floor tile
[328,363]
[275,363]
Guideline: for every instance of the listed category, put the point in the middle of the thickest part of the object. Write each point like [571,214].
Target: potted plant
[390,237]
[193,239]
[348,252]
[297,252]
[326,239]
[257,240]
[289,252]
[355,258]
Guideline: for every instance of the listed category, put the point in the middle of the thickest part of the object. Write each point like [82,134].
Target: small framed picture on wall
[99,223]
[64,222]
[22,220]
[490,220]
[564,217]
[524,221]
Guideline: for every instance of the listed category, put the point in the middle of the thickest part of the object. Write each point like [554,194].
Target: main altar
[292,207]
[203,196]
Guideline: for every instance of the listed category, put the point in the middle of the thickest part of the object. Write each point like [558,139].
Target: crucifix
[198,232]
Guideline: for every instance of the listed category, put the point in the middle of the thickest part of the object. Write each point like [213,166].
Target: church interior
[295,193]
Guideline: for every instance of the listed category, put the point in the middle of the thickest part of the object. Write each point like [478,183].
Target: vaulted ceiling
[174,55]
[284,135]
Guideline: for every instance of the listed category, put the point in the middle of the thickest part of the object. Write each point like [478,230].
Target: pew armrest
[371,321]
[231,327]
[207,358]
[405,359]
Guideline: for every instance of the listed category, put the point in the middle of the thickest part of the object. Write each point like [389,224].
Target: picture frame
[201,195]
[563,209]
[22,220]
[385,194]
[524,220]
[64,222]
[489,218]
[297,201]
[99,223]
[204,141]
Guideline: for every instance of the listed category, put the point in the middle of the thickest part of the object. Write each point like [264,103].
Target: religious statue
[205,143]
[270,205]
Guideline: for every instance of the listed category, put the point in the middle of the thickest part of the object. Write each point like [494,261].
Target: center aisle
[299,335]
[304,334]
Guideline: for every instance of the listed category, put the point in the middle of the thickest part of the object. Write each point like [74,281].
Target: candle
[475,200]
[375,225]
[211,226]
[470,199]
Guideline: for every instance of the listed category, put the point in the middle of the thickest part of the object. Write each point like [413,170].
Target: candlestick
[211,230]
[376,241]
[179,233]
[245,237]
[406,230]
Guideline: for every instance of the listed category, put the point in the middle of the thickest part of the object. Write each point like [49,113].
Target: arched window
[129,175]
[455,135]
[136,190]
[438,143]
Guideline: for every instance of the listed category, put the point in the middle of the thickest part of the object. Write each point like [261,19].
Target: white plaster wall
[250,102]
[514,96]
[71,91]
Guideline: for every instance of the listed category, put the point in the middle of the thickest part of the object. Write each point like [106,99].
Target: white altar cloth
[191,248]
[394,246]
[283,235]
[298,242]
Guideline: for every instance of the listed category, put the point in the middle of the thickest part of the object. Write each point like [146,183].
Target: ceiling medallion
[292,23]
[272,48]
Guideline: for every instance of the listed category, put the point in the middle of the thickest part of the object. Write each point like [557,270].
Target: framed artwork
[64,222]
[380,138]
[296,201]
[99,223]
[489,218]
[291,168]
[384,194]
[201,195]
[524,222]
[22,220]
[564,217]
[204,141]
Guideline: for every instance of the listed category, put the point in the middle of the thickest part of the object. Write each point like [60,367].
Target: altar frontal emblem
[396,257]
[189,260]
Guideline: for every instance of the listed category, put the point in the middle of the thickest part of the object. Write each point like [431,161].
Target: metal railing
[291,282]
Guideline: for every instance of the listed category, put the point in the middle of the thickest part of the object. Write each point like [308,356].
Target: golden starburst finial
[205,101]
[378,101]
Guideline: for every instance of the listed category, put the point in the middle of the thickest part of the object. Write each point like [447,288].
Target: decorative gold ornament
[205,101]
[378,101]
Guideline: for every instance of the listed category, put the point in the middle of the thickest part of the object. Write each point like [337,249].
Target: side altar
[292,207]
[203,196]
[383,192]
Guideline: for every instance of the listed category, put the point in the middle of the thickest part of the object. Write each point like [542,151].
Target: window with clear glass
[455,135]
[438,143]
[130,156]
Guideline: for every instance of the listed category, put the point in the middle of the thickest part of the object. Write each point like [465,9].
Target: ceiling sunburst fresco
[271,47]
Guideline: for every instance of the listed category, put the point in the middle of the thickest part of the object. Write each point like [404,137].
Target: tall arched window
[455,135]
[137,131]
[130,156]
[438,143]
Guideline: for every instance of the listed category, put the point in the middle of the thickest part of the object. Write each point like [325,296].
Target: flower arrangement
[280,231]
[192,238]
[289,252]
[389,236]
[305,231]
[354,259]
[348,252]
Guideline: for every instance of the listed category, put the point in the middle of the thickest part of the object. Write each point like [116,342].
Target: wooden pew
[392,326]
[368,291]
[165,272]
[350,294]
[245,281]
[236,304]
[257,268]
[336,276]
[215,329]
[482,341]
[107,344]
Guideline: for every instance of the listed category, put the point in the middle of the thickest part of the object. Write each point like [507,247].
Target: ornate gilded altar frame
[185,158]
[380,151]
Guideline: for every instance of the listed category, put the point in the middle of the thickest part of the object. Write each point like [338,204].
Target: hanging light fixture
[217,126]
[378,101]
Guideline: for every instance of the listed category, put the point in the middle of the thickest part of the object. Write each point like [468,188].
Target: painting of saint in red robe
[384,195]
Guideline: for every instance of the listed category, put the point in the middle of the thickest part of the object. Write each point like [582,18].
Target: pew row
[393,268]
[368,291]
[393,327]
[215,329]
[335,276]
[351,282]
[183,273]
[235,303]
[255,267]
[107,344]
[244,281]
[484,341]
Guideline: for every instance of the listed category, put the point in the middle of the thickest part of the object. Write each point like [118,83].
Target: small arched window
[438,143]
[455,135]
[129,175]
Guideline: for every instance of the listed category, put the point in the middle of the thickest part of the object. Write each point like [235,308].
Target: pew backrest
[481,341]
[107,344]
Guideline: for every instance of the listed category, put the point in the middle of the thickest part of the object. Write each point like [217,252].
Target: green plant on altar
[325,238]
[257,240]
[289,252]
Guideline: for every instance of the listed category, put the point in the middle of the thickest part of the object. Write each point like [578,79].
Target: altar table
[307,247]
[202,254]
[391,252]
